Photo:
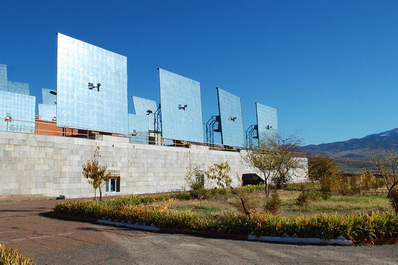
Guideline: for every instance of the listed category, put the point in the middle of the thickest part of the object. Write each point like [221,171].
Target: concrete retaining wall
[52,165]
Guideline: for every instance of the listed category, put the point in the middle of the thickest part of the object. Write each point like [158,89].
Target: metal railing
[152,138]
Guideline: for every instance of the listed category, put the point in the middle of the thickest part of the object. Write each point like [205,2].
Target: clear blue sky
[329,67]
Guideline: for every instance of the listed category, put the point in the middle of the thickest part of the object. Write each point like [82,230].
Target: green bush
[326,195]
[12,257]
[394,199]
[314,195]
[300,186]
[302,199]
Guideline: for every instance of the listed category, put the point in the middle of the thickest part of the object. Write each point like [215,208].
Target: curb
[341,241]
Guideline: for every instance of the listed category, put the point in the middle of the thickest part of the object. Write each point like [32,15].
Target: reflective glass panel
[20,109]
[18,87]
[142,105]
[181,107]
[49,96]
[138,128]
[267,121]
[47,112]
[91,87]
[230,110]
[3,77]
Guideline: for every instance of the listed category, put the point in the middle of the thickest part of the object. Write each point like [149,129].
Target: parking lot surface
[53,241]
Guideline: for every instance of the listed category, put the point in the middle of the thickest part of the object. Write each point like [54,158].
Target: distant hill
[356,149]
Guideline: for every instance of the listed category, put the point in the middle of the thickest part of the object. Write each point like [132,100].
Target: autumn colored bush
[12,257]
[354,227]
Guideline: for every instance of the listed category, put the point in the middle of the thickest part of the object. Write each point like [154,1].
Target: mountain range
[357,148]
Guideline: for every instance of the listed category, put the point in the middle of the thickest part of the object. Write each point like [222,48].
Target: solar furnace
[91,87]
[181,107]
[267,121]
[230,109]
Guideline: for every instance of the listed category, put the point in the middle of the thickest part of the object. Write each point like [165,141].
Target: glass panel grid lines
[47,112]
[181,107]
[21,108]
[101,108]
[230,109]
[267,121]
[138,128]
[18,87]
[49,96]
[142,105]
[3,77]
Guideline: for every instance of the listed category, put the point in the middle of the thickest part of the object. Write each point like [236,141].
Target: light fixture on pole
[8,119]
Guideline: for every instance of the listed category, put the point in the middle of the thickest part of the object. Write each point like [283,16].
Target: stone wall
[52,165]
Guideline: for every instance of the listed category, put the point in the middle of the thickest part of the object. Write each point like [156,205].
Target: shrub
[354,227]
[343,186]
[323,169]
[273,204]
[10,256]
[314,195]
[195,177]
[302,198]
[325,195]
[394,199]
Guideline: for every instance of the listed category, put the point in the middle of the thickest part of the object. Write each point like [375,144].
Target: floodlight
[180,106]
[91,86]
[53,92]
[149,112]
[268,127]
[232,119]
[8,117]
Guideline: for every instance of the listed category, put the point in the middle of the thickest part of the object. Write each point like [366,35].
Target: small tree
[286,159]
[95,173]
[323,169]
[220,173]
[275,157]
[195,179]
[274,203]
[385,163]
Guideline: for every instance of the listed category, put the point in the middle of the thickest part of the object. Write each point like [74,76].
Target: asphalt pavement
[53,241]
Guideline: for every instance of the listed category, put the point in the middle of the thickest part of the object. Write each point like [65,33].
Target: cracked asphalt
[52,241]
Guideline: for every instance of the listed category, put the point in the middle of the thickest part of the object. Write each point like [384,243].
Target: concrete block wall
[52,165]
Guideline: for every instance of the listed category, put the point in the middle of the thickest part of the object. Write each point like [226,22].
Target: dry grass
[10,257]
[255,202]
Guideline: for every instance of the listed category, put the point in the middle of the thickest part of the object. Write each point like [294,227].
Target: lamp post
[8,119]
